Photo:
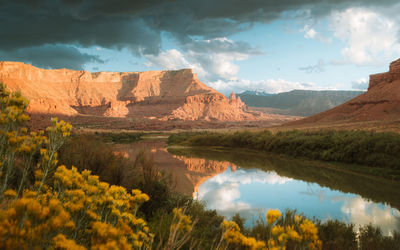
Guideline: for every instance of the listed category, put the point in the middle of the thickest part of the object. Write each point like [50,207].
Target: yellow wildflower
[277,230]
[273,215]
[10,193]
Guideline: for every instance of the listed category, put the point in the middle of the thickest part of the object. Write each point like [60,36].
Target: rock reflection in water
[187,173]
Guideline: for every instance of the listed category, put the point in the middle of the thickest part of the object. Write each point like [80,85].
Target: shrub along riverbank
[379,151]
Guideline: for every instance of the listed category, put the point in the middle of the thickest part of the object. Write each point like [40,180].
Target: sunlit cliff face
[164,95]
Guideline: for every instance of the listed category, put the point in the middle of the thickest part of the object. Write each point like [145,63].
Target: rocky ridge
[163,95]
[380,103]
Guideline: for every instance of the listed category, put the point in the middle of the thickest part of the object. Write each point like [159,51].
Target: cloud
[362,212]
[249,176]
[137,24]
[268,86]
[222,191]
[51,56]
[311,33]
[360,84]
[171,59]
[212,59]
[317,68]
[223,198]
[371,38]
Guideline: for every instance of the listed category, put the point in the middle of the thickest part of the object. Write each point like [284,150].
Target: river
[250,183]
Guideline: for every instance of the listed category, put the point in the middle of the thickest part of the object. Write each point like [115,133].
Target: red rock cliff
[152,94]
[387,77]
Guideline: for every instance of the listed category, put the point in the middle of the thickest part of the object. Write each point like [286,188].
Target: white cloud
[170,59]
[371,38]
[222,191]
[360,84]
[250,176]
[268,86]
[212,59]
[362,212]
[311,33]
[223,198]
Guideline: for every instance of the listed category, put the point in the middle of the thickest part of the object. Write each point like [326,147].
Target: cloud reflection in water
[251,192]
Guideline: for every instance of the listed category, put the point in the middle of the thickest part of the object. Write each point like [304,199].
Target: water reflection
[251,192]
[360,211]
[309,187]
[187,173]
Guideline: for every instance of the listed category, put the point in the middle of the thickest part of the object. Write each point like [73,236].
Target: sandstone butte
[163,95]
[380,103]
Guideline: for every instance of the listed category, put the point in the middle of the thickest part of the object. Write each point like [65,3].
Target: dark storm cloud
[51,56]
[222,45]
[137,24]
[38,26]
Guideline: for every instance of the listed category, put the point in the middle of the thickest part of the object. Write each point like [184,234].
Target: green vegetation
[122,137]
[379,151]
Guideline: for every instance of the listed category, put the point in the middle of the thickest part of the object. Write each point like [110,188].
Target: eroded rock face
[387,77]
[165,95]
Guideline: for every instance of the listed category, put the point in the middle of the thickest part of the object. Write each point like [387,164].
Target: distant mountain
[298,102]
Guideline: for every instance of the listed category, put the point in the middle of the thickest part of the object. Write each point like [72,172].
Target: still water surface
[249,183]
[252,192]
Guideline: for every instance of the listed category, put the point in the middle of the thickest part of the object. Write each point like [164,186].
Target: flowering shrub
[62,209]
[303,234]
[232,235]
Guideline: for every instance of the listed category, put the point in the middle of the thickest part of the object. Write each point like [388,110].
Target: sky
[233,45]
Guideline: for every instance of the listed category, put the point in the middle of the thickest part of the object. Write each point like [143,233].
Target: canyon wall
[387,77]
[164,95]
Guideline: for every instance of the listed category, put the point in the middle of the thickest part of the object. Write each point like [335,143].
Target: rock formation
[380,102]
[387,77]
[164,95]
